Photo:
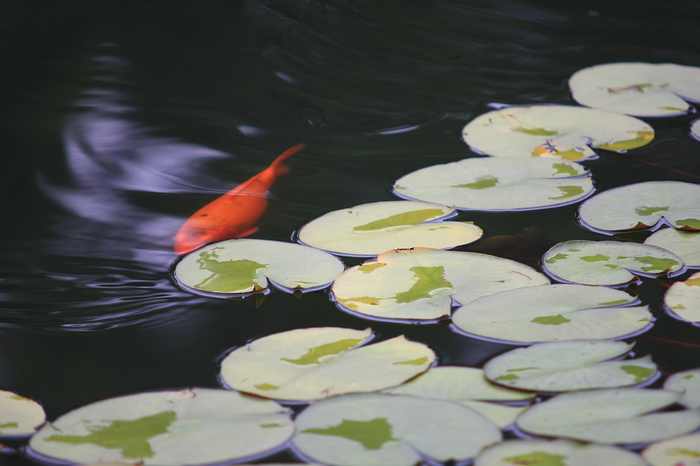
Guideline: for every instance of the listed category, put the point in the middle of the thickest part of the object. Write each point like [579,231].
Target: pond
[122,119]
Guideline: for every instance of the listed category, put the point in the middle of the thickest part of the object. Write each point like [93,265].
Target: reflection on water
[123,123]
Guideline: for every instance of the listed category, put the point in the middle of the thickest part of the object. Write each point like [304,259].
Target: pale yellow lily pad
[641,89]
[684,244]
[19,416]
[554,131]
[687,383]
[370,229]
[496,184]
[242,266]
[315,363]
[679,451]
[683,299]
[423,284]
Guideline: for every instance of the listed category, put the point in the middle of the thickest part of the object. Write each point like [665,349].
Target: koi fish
[234,214]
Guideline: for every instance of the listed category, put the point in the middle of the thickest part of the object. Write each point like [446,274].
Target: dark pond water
[120,119]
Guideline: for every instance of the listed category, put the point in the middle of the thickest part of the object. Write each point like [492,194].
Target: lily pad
[423,284]
[192,426]
[570,365]
[687,383]
[684,244]
[244,266]
[552,313]
[496,184]
[457,383]
[679,451]
[610,416]
[19,416]
[556,131]
[641,206]
[370,229]
[380,429]
[556,453]
[695,129]
[315,363]
[609,262]
[683,299]
[466,385]
[641,89]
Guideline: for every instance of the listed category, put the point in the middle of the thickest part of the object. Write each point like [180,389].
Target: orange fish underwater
[234,214]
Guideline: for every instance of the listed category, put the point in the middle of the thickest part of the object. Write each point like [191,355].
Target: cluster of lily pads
[572,391]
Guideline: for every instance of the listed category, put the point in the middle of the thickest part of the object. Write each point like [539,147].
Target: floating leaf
[506,183]
[192,426]
[684,244]
[379,429]
[679,451]
[556,453]
[556,131]
[687,383]
[19,416]
[642,89]
[552,313]
[570,365]
[242,266]
[683,299]
[611,416]
[370,229]
[421,284]
[642,205]
[315,363]
[608,262]
[457,383]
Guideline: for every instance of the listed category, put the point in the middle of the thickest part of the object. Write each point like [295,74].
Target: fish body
[234,214]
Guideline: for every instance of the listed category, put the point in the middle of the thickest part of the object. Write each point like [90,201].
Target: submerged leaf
[242,266]
[641,89]
[555,131]
[569,365]
[642,205]
[370,229]
[552,313]
[421,284]
[315,363]
[611,416]
[192,426]
[608,262]
[496,184]
[379,429]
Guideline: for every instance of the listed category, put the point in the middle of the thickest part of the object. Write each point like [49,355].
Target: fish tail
[277,166]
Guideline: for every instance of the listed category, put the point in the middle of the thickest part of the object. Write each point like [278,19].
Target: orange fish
[234,214]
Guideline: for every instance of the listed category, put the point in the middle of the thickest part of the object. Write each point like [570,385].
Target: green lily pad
[570,365]
[315,363]
[457,383]
[683,299]
[684,244]
[244,266]
[610,416]
[192,426]
[496,184]
[608,262]
[642,205]
[422,284]
[555,131]
[556,453]
[552,313]
[641,89]
[687,383]
[370,229]
[679,451]
[19,416]
[380,429]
